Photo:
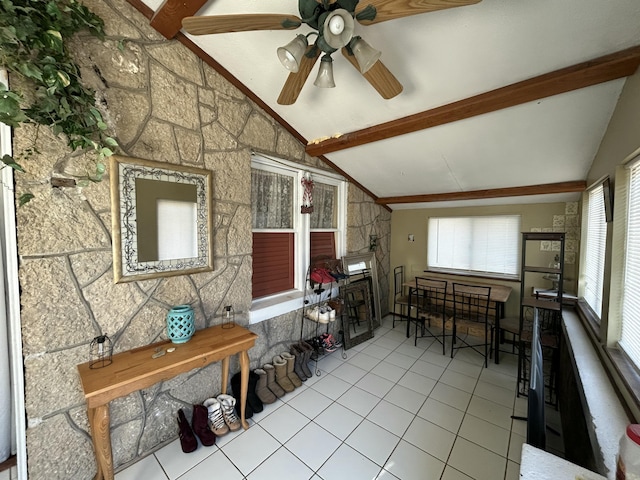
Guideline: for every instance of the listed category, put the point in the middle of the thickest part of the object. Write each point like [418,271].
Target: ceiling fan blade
[295,81]
[391,9]
[204,25]
[378,76]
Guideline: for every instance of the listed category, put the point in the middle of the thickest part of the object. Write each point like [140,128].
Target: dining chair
[400,299]
[472,327]
[429,297]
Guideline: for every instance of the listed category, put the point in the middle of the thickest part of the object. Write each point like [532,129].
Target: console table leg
[101,437]
[244,377]
[224,374]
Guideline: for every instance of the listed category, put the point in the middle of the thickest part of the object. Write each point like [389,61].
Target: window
[630,334]
[284,240]
[593,257]
[475,244]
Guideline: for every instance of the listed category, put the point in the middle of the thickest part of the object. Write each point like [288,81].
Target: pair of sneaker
[329,342]
[320,276]
[222,415]
[322,314]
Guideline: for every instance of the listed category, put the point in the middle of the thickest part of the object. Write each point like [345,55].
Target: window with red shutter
[284,239]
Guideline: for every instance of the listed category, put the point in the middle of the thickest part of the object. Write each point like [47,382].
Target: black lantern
[100,351]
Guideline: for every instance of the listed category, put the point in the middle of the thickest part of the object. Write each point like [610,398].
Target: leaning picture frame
[357,314]
[161,219]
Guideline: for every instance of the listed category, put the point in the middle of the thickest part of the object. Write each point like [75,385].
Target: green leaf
[102,126]
[9,161]
[100,167]
[64,79]
[25,198]
[110,142]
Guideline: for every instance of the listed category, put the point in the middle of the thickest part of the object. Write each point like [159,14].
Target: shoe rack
[316,295]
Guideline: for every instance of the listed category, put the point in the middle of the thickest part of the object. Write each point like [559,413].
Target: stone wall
[163,104]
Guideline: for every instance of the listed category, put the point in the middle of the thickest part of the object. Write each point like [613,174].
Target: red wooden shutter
[272,263]
[322,244]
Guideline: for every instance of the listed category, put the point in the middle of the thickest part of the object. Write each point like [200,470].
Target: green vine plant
[33,34]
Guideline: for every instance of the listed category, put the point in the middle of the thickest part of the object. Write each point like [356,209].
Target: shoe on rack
[336,343]
[324,316]
[227,404]
[313,314]
[332,314]
[216,418]
[188,440]
[200,425]
[326,344]
[316,345]
[327,276]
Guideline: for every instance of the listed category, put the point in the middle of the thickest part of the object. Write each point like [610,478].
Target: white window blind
[594,250]
[475,244]
[630,337]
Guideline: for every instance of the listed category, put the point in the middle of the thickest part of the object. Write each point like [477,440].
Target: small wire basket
[100,352]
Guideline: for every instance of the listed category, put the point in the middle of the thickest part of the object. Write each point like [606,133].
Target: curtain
[324,206]
[272,198]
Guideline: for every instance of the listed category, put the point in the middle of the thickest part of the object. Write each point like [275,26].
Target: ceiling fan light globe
[336,25]
[365,54]
[338,28]
[291,54]
[325,73]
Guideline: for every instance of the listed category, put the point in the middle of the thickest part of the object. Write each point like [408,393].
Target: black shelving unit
[550,309]
[316,295]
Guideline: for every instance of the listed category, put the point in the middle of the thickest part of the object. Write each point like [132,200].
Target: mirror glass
[360,266]
[357,319]
[161,217]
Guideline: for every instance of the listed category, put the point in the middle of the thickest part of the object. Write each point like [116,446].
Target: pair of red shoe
[200,424]
[321,275]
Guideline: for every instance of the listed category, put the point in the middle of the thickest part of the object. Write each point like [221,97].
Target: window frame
[267,307]
[585,260]
[478,273]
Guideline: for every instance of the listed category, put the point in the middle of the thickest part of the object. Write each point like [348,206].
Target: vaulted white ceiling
[440,58]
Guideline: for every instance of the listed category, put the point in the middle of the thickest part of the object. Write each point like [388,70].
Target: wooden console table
[136,369]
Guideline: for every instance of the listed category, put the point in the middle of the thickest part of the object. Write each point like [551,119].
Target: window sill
[589,318]
[265,308]
[605,411]
[461,273]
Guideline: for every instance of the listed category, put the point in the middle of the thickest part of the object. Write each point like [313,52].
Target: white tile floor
[389,411]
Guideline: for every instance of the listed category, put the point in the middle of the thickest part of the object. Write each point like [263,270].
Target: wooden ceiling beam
[603,69]
[544,189]
[168,18]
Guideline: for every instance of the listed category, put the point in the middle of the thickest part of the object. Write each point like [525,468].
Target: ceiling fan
[333,22]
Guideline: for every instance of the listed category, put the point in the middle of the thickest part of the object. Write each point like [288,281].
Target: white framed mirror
[161,219]
[363,265]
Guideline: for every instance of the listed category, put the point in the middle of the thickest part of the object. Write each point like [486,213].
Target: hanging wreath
[307,194]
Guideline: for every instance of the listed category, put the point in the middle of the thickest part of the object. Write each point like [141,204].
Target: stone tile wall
[163,104]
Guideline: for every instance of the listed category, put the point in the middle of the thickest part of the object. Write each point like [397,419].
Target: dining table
[498,297]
